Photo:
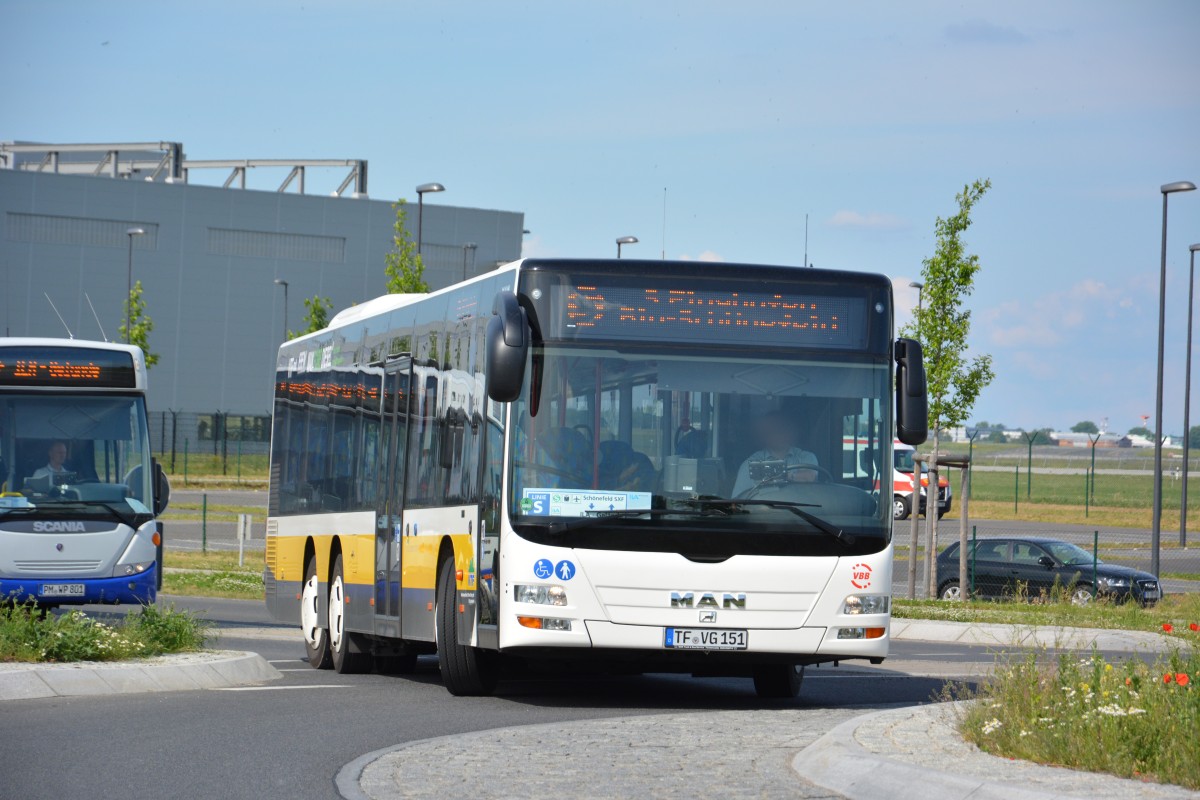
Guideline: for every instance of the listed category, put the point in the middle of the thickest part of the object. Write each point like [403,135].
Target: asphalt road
[290,738]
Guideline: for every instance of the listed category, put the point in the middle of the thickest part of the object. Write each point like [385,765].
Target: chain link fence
[213,443]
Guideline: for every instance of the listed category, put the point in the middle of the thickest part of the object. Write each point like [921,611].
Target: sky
[713,131]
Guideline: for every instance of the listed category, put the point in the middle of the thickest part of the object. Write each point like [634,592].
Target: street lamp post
[920,287]
[130,232]
[468,246]
[625,240]
[1156,518]
[284,284]
[1187,401]
[421,190]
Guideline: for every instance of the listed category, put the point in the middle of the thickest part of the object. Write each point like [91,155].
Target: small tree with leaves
[136,327]
[942,325]
[316,315]
[404,267]
[1086,426]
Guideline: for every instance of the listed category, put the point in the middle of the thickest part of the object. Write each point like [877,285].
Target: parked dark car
[1034,565]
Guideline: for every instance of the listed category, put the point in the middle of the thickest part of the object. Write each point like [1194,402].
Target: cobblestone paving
[734,754]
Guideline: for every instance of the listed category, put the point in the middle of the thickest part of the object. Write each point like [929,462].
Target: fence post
[204,522]
[243,535]
[1016,486]
[239,463]
[914,513]
[185,460]
[1095,560]
[174,431]
[1087,479]
[965,492]
[974,547]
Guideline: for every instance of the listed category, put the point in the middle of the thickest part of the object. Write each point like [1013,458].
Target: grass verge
[1130,719]
[1176,610]
[214,574]
[26,634]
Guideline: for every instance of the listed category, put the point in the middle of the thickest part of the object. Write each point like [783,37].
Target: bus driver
[776,433]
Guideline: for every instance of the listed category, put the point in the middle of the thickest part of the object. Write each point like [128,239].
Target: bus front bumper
[140,588]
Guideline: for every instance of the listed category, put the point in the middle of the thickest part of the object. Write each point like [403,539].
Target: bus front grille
[57,567]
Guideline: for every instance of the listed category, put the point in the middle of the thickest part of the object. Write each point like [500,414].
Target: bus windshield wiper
[823,526]
[54,507]
[598,516]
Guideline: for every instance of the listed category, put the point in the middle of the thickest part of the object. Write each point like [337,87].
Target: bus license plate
[62,590]
[704,639]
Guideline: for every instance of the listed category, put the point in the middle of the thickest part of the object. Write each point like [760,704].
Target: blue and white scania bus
[79,491]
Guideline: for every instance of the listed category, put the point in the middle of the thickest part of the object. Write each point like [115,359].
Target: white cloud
[706,255]
[533,246]
[872,219]
[1051,318]
[978,31]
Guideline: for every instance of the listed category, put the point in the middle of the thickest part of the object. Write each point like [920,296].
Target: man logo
[707,600]
[59,527]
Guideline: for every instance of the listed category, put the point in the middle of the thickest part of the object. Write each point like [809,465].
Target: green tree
[404,268]
[1141,430]
[1086,426]
[139,324]
[997,437]
[942,325]
[316,315]
[1194,437]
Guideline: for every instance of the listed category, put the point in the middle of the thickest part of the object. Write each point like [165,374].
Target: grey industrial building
[216,264]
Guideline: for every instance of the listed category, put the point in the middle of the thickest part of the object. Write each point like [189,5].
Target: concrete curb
[175,673]
[896,754]
[981,633]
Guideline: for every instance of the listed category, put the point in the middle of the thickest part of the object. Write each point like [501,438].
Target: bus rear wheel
[900,508]
[465,670]
[778,681]
[316,638]
[349,652]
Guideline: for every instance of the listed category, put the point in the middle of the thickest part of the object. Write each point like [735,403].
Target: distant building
[216,264]
[1072,439]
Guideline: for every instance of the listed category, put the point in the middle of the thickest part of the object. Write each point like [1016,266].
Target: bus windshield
[74,455]
[642,449]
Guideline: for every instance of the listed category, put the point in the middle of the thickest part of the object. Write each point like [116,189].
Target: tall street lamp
[625,240]
[284,284]
[130,232]
[1187,401]
[421,190]
[920,287]
[1156,518]
[468,246]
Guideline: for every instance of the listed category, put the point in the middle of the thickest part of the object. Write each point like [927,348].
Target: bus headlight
[866,604]
[541,595]
[133,569]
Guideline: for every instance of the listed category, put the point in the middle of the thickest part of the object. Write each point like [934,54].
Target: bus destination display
[725,317]
[47,366]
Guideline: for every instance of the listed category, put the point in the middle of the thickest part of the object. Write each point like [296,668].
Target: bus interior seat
[622,467]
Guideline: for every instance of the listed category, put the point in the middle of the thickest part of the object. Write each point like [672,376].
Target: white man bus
[540,463]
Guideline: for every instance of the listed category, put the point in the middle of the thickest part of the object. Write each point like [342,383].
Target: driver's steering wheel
[823,476]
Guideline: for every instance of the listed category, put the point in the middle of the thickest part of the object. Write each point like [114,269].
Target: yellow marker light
[530,622]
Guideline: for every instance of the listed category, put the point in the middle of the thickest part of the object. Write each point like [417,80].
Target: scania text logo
[707,600]
[59,527]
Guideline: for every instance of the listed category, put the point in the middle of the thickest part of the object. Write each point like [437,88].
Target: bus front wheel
[778,681]
[316,638]
[465,670]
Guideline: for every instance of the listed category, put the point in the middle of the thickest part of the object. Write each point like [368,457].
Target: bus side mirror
[507,346]
[162,488]
[912,404]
